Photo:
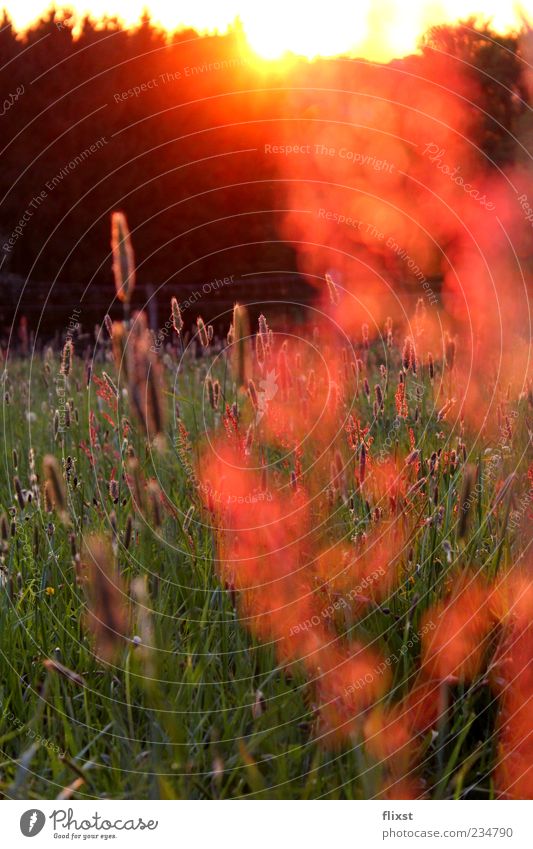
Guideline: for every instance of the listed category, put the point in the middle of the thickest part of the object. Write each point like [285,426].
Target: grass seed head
[66,358]
[449,351]
[202,332]
[18,491]
[128,531]
[177,320]
[465,501]
[241,333]
[107,617]
[332,290]
[123,257]
[55,491]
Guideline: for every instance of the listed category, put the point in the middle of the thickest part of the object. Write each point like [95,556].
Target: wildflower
[388,738]
[348,685]
[454,634]
[510,677]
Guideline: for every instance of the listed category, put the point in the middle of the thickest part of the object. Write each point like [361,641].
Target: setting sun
[279,28]
[375,29]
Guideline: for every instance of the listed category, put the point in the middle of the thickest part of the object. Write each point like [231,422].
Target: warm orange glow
[279,27]
[376,29]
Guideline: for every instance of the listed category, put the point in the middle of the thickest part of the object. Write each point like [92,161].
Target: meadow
[288,563]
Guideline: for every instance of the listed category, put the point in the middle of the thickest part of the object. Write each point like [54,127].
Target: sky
[378,29]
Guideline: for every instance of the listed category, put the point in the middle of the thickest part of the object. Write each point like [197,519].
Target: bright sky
[375,28]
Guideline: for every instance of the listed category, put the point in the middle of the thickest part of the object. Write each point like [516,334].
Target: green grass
[189,731]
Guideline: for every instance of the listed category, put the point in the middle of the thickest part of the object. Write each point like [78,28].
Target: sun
[305,29]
